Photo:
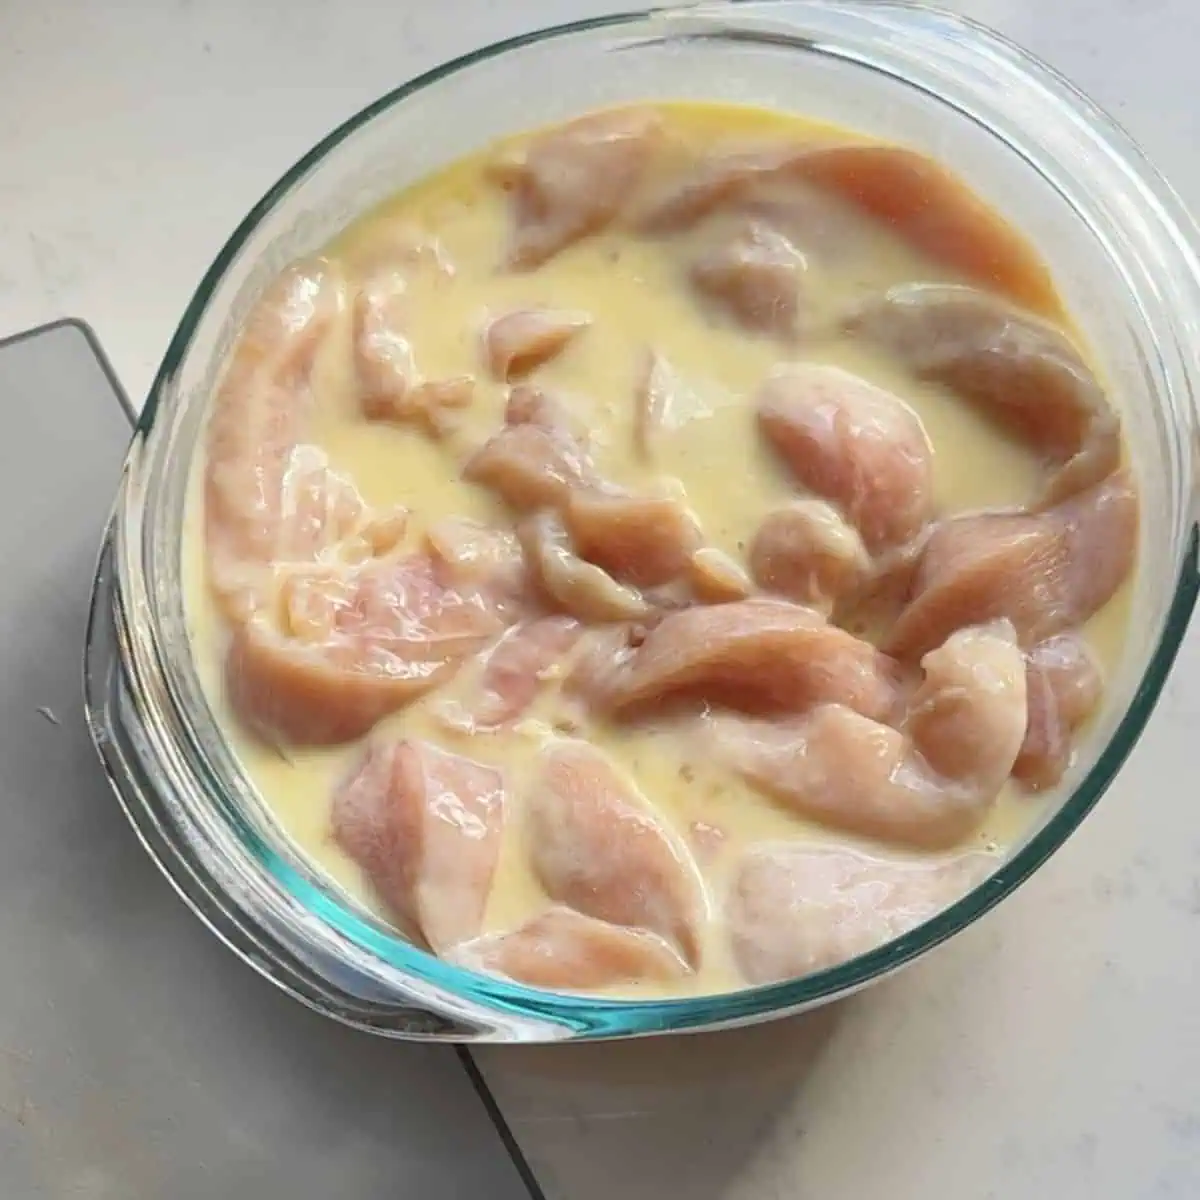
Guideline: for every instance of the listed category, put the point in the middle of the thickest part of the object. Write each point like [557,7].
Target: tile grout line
[503,1130]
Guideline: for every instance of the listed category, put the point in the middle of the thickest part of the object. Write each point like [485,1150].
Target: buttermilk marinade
[671,551]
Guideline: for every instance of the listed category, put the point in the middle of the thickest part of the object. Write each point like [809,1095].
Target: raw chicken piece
[268,497]
[383,531]
[384,363]
[1045,572]
[573,180]
[926,206]
[552,411]
[926,787]
[389,384]
[579,588]
[913,196]
[967,720]
[854,445]
[880,596]
[424,825]
[722,181]
[808,553]
[828,231]
[597,848]
[752,654]
[529,467]
[319,508]
[512,672]
[795,909]
[356,644]
[1016,368]
[663,403]
[754,278]
[431,405]
[716,578]
[466,553]
[537,458]
[521,341]
[403,247]
[563,949]
[1064,685]
[643,540]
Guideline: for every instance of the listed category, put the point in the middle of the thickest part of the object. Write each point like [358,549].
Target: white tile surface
[1052,1051]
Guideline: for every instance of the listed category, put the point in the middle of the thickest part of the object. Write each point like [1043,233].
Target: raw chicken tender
[914,197]
[1045,572]
[597,847]
[755,278]
[1064,685]
[268,496]
[926,786]
[797,908]
[579,588]
[663,404]
[853,444]
[755,654]
[1019,370]
[536,459]
[573,180]
[356,645]
[564,949]
[810,554]
[643,540]
[425,825]
[523,340]
[511,674]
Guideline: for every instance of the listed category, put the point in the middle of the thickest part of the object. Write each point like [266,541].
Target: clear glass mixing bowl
[1124,253]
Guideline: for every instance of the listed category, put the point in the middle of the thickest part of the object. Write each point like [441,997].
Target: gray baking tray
[139,1059]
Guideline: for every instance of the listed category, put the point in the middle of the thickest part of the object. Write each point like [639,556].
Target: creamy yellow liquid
[638,298]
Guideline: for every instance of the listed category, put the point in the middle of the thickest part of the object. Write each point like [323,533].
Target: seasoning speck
[48,713]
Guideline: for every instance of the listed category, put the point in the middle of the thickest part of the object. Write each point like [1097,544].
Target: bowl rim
[590,1016]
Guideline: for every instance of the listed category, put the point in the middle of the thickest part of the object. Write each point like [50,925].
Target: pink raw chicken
[912,196]
[424,825]
[357,644]
[523,340]
[268,496]
[566,950]
[529,404]
[754,278]
[755,655]
[853,444]
[390,386]
[471,555]
[643,540]
[795,908]
[716,578]
[809,553]
[574,180]
[537,458]
[663,404]
[1021,371]
[1045,572]
[597,847]
[579,588]
[511,674]
[928,786]
[1064,684]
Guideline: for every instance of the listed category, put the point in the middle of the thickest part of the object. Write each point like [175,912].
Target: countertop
[1051,1050]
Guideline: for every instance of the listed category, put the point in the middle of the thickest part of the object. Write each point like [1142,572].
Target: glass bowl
[1120,245]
